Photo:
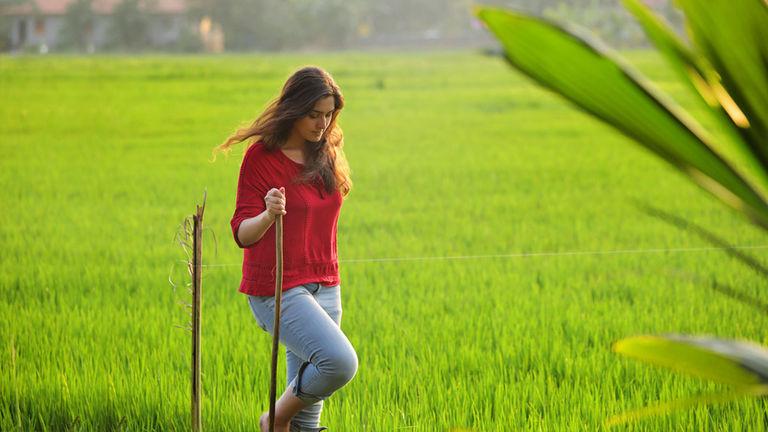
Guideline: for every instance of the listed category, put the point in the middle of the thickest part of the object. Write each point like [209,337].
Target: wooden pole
[276,327]
[197,292]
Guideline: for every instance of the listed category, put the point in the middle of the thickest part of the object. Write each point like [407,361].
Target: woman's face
[312,126]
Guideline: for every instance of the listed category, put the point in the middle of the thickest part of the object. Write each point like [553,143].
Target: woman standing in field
[295,167]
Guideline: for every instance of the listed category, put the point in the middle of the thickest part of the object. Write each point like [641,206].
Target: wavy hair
[325,159]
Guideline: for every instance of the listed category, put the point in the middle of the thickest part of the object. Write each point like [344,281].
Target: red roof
[105,7]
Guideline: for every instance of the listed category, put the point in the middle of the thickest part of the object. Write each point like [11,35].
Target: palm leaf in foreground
[597,81]
[740,364]
[737,141]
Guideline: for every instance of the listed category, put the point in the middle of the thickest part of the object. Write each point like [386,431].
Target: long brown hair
[325,159]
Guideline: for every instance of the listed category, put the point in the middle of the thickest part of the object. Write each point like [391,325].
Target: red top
[309,225]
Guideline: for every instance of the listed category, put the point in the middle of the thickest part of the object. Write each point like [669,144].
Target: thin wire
[526,254]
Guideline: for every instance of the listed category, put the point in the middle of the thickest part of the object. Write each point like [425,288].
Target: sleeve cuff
[235,228]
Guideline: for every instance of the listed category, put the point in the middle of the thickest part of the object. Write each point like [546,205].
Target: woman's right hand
[275,201]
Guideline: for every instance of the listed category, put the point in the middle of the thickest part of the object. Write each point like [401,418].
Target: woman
[295,167]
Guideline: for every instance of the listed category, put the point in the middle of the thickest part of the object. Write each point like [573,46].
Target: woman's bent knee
[348,368]
[340,367]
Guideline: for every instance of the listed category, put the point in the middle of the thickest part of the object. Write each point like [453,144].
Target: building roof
[103,7]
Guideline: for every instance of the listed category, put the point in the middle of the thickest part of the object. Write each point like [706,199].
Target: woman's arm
[253,229]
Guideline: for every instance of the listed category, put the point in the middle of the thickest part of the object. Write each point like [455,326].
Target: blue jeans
[320,359]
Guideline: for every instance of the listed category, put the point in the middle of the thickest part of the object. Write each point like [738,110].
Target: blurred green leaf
[701,78]
[667,407]
[587,74]
[690,66]
[725,361]
[741,364]
[733,36]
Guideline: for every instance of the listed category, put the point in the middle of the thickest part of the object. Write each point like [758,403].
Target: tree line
[273,25]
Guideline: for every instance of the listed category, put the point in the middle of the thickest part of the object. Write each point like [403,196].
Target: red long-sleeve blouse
[309,225]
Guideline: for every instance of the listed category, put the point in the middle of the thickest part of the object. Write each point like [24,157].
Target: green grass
[452,154]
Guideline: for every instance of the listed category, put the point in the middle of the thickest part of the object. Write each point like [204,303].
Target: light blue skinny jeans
[320,359]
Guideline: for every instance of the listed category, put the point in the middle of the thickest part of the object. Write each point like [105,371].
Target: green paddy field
[461,167]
